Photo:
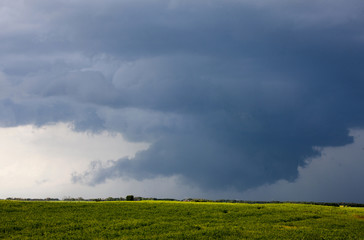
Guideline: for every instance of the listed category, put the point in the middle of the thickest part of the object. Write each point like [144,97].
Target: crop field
[177,220]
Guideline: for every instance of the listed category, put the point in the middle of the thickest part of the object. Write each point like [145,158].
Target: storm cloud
[229,94]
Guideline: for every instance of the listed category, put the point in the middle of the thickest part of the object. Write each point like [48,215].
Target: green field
[177,220]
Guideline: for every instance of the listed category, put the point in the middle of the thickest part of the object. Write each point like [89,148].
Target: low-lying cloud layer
[229,94]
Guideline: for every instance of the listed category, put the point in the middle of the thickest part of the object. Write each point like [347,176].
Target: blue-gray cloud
[229,94]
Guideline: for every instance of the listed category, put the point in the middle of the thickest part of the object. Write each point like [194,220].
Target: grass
[177,220]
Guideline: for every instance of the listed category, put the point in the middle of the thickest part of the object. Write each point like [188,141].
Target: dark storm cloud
[229,94]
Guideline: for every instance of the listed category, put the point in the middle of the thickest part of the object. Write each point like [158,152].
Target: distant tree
[130,198]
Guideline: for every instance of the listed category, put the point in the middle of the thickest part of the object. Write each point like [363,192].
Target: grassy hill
[177,220]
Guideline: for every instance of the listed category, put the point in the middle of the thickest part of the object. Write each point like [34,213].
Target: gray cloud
[229,94]
[334,177]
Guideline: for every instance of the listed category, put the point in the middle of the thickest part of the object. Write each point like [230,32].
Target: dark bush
[130,198]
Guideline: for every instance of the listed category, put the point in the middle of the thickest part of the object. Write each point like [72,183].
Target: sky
[235,99]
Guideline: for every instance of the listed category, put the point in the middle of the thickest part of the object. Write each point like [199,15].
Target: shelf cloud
[228,94]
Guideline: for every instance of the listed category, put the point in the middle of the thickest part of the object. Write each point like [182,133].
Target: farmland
[177,220]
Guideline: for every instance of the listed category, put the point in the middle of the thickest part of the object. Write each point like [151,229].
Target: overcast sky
[258,100]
